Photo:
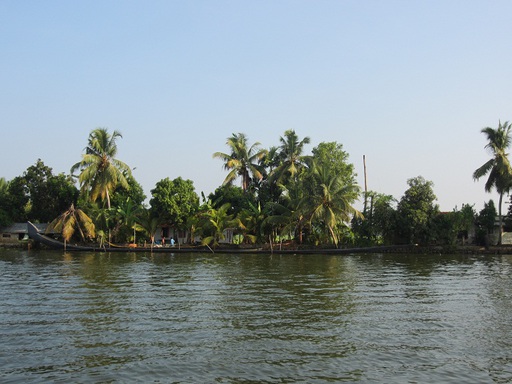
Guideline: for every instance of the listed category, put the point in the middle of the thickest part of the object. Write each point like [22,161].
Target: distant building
[17,232]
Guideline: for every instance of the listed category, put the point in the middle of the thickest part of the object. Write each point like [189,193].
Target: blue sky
[409,84]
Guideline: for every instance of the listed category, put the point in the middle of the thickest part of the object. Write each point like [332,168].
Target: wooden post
[365,184]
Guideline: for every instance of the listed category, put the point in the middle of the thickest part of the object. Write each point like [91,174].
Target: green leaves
[243,161]
[100,171]
[416,211]
[498,167]
[174,201]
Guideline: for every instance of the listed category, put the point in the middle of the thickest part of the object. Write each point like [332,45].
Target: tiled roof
[22,228]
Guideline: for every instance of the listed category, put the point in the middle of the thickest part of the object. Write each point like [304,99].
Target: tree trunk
[334,239]
[500,220]
[108,199]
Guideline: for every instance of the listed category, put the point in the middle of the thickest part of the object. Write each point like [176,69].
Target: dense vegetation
[285,195]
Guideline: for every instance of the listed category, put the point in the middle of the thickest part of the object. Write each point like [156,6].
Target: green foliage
[498,167]
[485,222]
[465,221]
[332,155]
[147,222]
[5,216]
[329,198]
[103,218]
[37,185]
[288,216]
[379,223]
[215,222]
[174,201]
[243,161]
[38,195]
[134,192]
[444,228]
[126,216]
[100,171]
[416,211]
[508,217]
[17,200]
[290,157]
[124,203]
[309,195]
[450,227]
[252,224]
[234,196]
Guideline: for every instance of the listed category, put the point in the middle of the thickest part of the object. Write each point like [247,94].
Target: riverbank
[410,249]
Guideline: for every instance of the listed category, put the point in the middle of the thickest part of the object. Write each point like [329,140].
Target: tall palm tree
[100,171]
[290,154]
[498,167]
[331,199]
[243,161]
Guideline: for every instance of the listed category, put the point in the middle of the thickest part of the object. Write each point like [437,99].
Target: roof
[22,228]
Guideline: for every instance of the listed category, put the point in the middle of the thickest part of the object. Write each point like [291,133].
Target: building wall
[11,238]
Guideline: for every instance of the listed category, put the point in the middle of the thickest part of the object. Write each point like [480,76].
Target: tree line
[285,196]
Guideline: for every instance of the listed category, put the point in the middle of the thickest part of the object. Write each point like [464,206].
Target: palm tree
[127,214]
[4,191]
[100,171]
[148,222]
[290,154]
[251,222]
[218,220]
[4,185]
[289,214]
[331,199]
[498,167]
[243,160]
[71,220]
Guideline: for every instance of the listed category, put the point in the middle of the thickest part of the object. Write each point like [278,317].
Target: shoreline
[265,249]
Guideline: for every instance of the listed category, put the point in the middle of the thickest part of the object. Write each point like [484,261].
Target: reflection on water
[84,317]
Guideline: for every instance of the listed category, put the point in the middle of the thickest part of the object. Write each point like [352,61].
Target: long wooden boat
[38,237]
[50,242]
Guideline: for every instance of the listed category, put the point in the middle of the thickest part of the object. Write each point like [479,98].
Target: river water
[203,318]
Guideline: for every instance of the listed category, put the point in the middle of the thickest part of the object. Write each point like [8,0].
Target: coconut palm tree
[289,214]
[498,167]
[127,214]
[100,171]
[70,221]
[4,185]
[330,200]
[148,222]
[218,220]
[243,161]
[251,222]
[290,154]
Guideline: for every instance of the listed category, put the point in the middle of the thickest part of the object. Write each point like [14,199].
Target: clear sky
[409,84]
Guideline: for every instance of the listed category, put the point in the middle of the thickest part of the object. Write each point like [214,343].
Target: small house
[17,232]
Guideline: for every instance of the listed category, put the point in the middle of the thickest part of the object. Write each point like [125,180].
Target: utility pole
[365,184]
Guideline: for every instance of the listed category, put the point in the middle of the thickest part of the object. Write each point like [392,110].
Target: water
[118,318]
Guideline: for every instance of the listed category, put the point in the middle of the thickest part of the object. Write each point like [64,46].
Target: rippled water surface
[105,318]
